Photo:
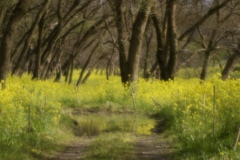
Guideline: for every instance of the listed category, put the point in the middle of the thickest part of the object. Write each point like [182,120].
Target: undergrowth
[204,116]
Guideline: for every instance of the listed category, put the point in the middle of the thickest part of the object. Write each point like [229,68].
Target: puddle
[95,124]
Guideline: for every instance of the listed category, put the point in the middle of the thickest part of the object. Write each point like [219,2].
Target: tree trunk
[162,50]
[86,65]
[108,66]
[153,68]
[172,37]
[167,51]
[121,44]
[71,73]
[28,40]
[7,40]
[136,40]
[145,67]
[36,72]
[231,63]
[205,65]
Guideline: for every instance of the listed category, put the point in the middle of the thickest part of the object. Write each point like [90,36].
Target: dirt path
[75,151]
[153,147]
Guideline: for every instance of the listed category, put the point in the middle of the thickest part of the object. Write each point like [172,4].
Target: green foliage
[34,113]
[30,115]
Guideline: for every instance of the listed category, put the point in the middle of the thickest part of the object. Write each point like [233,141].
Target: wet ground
[148,145]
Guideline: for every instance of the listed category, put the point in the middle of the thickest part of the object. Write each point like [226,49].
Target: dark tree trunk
[152,70]
[203,74]
[7,40]
[167,51]
[71,73]
[231,63]
[145,68]
[138,30]
[210,48]
[86,65]
[90,32]
[121,44]
[37,69]
[28,40]
[108,71]
[162,49]
[58,75]
[53,64]
[172,37]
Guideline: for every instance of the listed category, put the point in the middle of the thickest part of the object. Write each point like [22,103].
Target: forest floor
[151,147]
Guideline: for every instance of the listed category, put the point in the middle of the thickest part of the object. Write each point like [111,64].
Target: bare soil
[74,151]
[155,147]
[152,147]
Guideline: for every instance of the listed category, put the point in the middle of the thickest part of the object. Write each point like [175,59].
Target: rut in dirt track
[75,151]
[150,148]
[146,148]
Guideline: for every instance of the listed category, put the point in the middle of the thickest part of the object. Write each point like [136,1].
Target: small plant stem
[156,102]
[178,97]
[184,111]
[133,99]
[76,90]
[45,101]
[203,106]
[29,119]
[214,109]
[237,139]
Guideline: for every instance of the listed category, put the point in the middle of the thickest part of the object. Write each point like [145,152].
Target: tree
[231,62]
[129,60]
[168,39]
[29,37]
[7,40]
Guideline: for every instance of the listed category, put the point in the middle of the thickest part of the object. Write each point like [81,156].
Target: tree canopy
[49,38]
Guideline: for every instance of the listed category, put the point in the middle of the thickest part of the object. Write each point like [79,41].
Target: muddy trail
[152,147]
[74,151]
[149,143]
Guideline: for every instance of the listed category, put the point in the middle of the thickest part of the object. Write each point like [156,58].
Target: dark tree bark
[203,74]
[121,44]
[129,61]
[78,46]
[211,12]
[86,65]
[172,37]
[162,49]
[152,70]
[138,30]
[209,49]
[212,44]
[48,60]
[28,40]
[167,40]
[108,71]
[37,69]
[71,73]
[91,68]
[145,67]
[7,40]
[167,48]
[231,63]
